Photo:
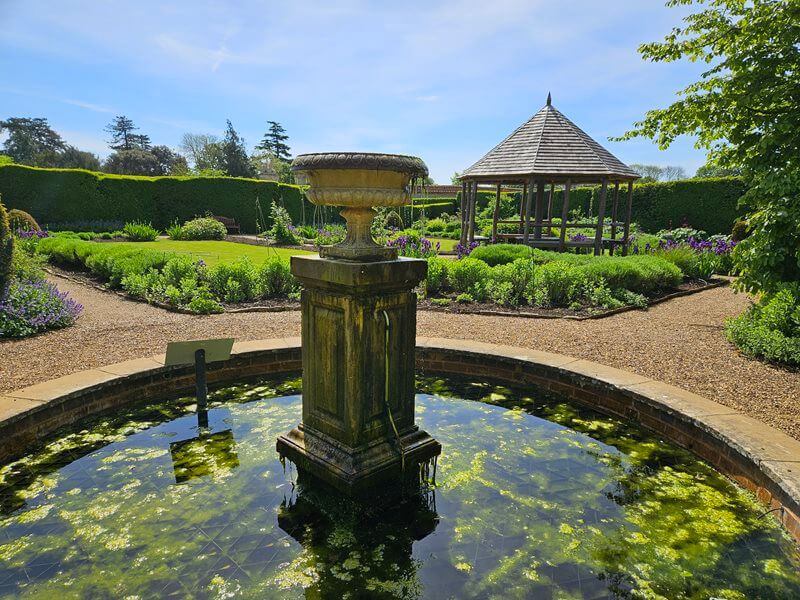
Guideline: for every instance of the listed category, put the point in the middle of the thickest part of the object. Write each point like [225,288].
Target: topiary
[20,220]
[6,250]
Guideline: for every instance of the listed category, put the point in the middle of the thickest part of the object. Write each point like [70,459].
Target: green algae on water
[533,498]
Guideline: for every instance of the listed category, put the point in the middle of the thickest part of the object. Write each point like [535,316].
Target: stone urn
[358,182]
[358,332]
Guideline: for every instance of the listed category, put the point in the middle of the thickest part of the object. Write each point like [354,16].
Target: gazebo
[550,150]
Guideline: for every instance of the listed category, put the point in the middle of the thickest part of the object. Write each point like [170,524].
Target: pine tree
[274,142]
[234,155]
[122,136]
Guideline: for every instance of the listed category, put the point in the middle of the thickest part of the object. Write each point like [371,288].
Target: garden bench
[230,224]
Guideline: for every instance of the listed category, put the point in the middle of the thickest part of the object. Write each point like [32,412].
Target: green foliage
[179,281]
[469,276]
[20,220]
[234,154]
[771,328]
[233,282]
[275,279]
[501,254]
[681,234]
[510,284]
[202,228]
[739,231]
[6,250]
[274,142]
[745,111]
[437,275]
[557,284]
[204,303]
[707,204]
[83,200]
[109,262]
[175,231]
[281,224]
[465,298]
[140,232]
[641,274]
[441,301]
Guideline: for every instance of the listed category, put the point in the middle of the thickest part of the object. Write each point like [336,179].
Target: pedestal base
[357,470]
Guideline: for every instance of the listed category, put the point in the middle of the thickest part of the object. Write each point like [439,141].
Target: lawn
[446,245]
[213,252]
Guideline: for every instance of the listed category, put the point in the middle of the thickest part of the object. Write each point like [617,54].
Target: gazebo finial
[549,99]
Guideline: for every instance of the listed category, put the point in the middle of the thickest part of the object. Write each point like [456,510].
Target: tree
[122,136]
[274,142]
[455,179]
[745,111]
[169,162]
[649,173]
[72,158]
[31,141]
[132,162]
[195,147]
[709,170]
[234,155]
[671,173]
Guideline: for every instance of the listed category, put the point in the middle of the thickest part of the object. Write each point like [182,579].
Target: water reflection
[203,455]
[359,548]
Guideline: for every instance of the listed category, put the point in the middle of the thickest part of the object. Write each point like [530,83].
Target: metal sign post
[199,353]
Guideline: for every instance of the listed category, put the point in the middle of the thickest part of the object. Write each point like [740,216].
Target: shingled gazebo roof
[551,146]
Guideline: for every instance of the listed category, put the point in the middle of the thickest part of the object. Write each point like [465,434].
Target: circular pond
[533,498]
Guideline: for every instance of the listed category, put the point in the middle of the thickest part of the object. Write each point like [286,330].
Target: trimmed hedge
[58,196]
[707,204]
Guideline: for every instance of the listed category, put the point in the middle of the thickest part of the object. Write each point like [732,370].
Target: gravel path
[679,342]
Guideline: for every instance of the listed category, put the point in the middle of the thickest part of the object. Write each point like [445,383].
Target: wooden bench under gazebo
[550,150]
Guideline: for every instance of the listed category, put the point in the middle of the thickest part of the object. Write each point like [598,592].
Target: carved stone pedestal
[346,437]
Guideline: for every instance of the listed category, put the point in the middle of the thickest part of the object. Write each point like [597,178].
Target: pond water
[533,498]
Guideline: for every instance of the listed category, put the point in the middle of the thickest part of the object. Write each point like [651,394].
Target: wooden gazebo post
[601,215]
[626,231]
[527,220]
[614,219]
[537,229]
[496,214]
[463,239]
[522,206]
[564,213]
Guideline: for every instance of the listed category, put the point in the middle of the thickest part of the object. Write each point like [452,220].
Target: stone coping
[760,458]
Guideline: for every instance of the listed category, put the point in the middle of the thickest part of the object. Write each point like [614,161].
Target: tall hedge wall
[57,196]
[708,204]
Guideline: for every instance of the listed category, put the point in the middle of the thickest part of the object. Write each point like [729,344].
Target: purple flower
[26,235]
[464,251]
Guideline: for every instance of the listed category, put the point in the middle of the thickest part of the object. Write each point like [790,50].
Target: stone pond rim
[760,458]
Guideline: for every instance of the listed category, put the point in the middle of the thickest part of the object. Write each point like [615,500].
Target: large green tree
[234,154]
[31,141]
[745,110]
[274,142]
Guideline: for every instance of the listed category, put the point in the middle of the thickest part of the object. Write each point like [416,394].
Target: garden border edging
[762,459]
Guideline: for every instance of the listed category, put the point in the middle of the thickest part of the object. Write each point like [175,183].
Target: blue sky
[442,80]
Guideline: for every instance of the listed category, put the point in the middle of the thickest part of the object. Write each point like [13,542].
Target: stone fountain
[358,333]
